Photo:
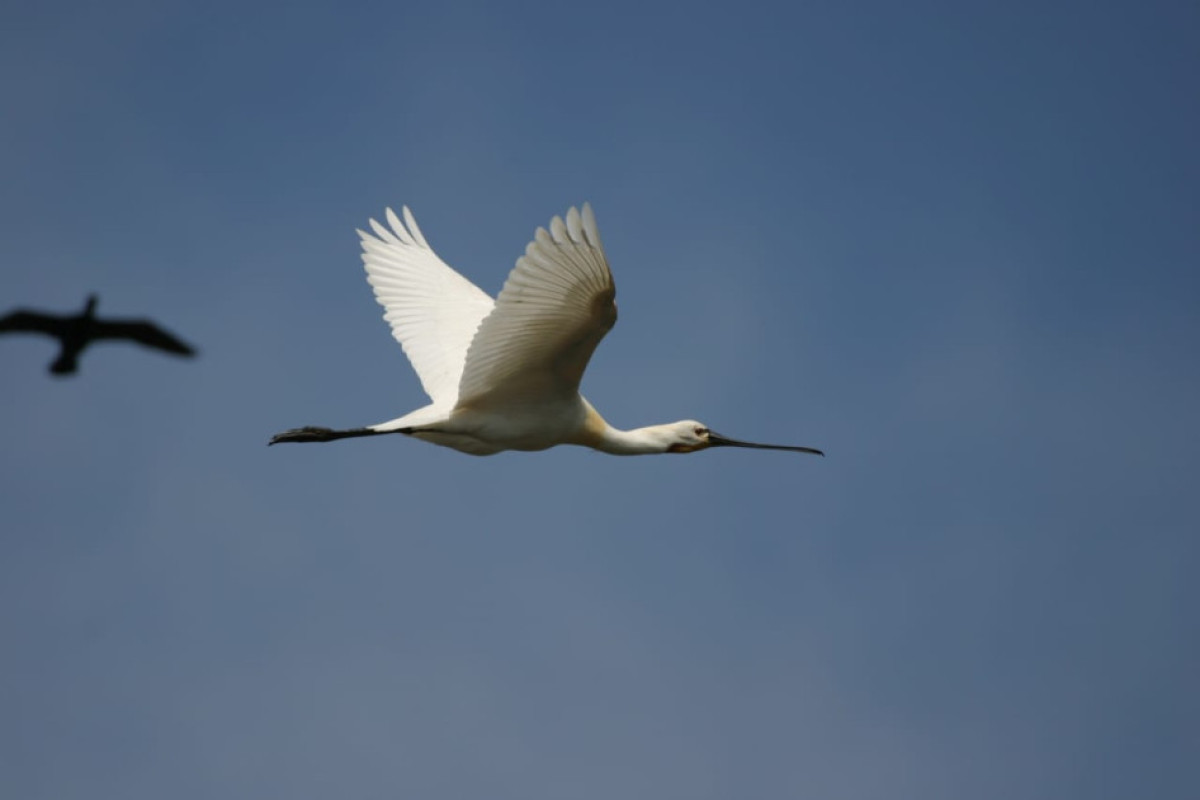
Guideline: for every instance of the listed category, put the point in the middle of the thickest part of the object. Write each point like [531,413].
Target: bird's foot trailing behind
[312,433]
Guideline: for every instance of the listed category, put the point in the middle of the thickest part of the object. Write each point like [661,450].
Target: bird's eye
[701,431]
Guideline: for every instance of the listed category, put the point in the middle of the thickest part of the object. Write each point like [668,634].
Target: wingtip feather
[414,229]
[558,230]
[381,232]
[574,225]
[590,228]
[401,232]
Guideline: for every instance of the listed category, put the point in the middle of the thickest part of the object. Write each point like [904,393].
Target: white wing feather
[554,309]
[434,312]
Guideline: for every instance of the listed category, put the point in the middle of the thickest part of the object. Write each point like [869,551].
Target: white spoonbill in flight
[504,374]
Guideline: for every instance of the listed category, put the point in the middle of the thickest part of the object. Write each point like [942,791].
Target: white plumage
[505,375]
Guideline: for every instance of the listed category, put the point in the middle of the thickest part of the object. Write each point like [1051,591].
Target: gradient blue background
[954,244]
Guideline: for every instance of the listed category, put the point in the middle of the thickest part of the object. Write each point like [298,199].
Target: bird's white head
[689,436]
[686,436]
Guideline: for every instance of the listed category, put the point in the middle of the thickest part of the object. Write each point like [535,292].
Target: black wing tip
[159,339]
[185,350]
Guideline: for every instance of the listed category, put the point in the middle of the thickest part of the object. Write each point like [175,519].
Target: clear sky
[956,245]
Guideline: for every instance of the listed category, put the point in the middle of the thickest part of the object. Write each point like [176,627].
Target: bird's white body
[517,394]
[504,374]
[492,430]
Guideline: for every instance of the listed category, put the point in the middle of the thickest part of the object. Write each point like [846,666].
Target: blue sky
[955,245]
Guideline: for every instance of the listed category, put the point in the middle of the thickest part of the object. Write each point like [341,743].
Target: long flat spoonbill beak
[717,440]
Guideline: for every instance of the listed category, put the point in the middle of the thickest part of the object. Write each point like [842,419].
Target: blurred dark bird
[76,332]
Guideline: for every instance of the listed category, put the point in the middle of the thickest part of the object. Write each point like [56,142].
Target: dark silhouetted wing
[142,332]
[22,321]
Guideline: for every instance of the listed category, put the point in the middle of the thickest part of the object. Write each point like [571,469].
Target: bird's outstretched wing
[554,309]
[433,311]
[141,331]
[21,321]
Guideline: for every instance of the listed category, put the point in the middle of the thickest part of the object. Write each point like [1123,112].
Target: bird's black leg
[311,433]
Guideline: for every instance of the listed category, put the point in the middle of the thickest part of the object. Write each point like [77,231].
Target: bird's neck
[637,442]
[597,434]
